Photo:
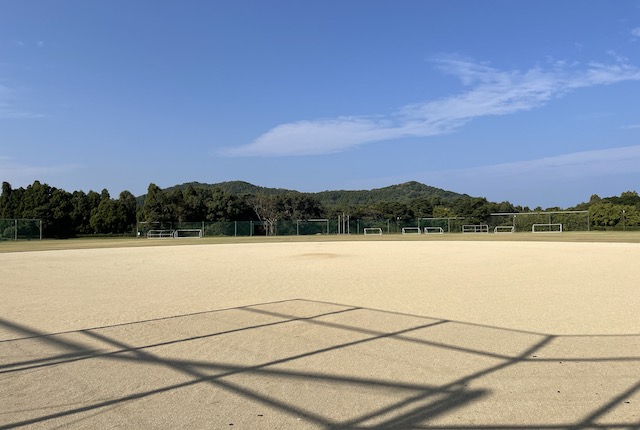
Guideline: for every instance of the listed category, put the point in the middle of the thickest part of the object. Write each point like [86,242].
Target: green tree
[156,206]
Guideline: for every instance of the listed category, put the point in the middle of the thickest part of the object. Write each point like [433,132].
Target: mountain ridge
[403,192]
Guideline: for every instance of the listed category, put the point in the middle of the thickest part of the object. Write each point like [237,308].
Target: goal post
[410,230]
[187,233]
[547,228]
[475,228]
[447,224]
[312,226]
[432,230]
[160,234]
[372,230]
[504,229]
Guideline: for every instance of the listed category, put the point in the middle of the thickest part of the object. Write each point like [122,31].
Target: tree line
[72,214]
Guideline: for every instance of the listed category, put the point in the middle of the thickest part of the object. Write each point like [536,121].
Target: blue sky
[536,103]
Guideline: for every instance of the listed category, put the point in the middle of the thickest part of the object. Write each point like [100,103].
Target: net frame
[176,233]
[369,229]
[475,228]
[307,221]
[550,225]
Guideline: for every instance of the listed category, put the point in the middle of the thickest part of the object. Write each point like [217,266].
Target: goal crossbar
[160,234]
[504,229]
[372,230]
[547,228]
[475,228]
[187,233]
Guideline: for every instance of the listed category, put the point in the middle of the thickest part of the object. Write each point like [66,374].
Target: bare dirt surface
[327,335]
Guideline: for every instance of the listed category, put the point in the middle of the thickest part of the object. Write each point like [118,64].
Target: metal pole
[15,230]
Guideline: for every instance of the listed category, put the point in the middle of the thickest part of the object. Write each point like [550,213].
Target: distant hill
[395,193]
[233,187]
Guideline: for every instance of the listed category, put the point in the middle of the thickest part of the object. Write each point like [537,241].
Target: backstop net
[20,229]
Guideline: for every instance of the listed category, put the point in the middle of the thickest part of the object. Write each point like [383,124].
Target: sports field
[525,332]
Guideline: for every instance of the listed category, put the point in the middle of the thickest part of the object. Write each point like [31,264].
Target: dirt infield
[349,335]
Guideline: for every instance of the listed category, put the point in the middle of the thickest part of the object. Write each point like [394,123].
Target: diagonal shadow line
[21,328]
[216,381]
[32,334]
[84,354]
[50,361]
[456,398]
[261,369]
[454,384]
[472,324]
[152,359]
[256,367]
[482,373]
[609,426]
[588,420]
[447,346]
[418,415]
[454,401]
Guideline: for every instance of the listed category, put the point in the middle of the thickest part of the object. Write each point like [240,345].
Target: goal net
[372,230]
[160,234]
[475,228]
[432,230]
[546,228]
[188,233]
[312,226]
[504,229]
[410,230]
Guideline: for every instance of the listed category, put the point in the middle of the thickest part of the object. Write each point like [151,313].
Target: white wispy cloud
[635,32]
[631,126]
[490,92]
[602,162]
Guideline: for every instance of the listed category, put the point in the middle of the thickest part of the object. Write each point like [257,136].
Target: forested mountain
[232,187]
[403,193]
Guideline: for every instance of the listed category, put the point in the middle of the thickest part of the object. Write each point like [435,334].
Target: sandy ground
[349,335]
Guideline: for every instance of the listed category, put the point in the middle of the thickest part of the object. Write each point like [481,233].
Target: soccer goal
[187,233]
[475,228]
[160,234]
[372,230]
[432,230]
[312,226]
[504,229]
[547,228]
[410,230]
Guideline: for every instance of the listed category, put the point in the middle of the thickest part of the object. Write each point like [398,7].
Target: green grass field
[52,244]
